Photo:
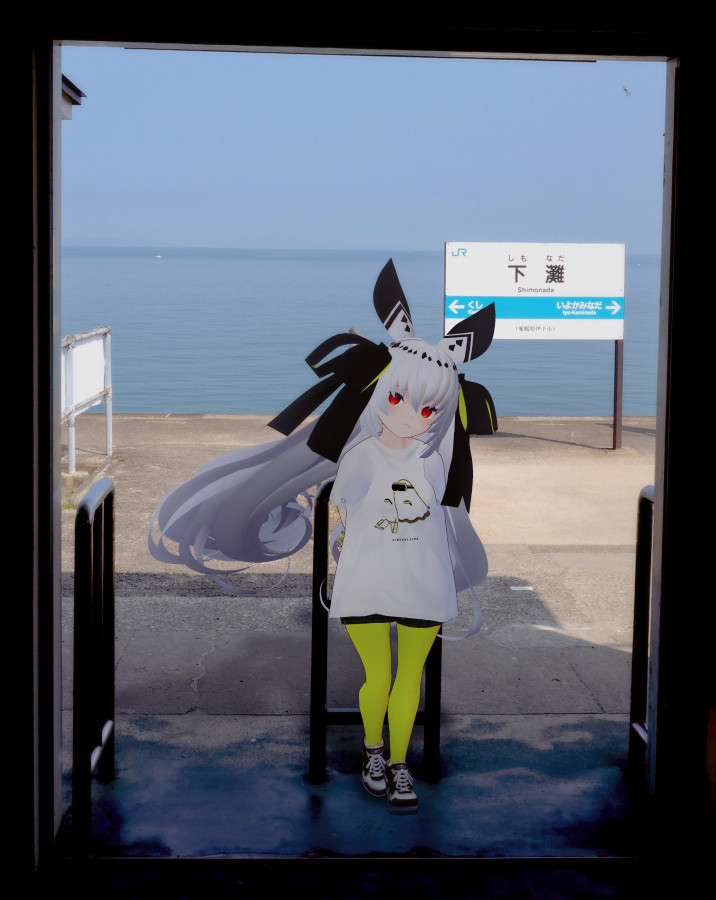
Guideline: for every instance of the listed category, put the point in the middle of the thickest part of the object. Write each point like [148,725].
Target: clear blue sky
[212,149]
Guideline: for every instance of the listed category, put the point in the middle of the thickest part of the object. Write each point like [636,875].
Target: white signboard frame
[541,291]
[86,381]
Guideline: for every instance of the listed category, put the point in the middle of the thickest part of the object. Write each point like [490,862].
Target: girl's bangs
[431,379]
[426,380]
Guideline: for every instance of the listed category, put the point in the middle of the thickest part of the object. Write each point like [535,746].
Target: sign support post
[618,392]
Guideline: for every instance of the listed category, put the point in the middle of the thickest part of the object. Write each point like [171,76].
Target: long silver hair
[246,505]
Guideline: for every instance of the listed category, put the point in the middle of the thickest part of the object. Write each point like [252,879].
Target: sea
[197,330]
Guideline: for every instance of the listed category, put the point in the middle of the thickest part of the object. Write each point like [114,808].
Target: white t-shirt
[395,558]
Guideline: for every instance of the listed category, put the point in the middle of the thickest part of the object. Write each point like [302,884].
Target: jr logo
[461,251]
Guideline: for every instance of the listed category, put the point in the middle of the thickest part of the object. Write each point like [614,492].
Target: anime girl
[398,430]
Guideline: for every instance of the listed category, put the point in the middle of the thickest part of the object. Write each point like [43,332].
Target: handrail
[320,715]
[319,640]
[638,716]
[93,687]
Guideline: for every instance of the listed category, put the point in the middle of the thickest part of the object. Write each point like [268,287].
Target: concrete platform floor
[235,786]
[212,690]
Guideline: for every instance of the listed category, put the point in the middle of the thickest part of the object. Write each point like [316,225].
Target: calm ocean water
[227,331]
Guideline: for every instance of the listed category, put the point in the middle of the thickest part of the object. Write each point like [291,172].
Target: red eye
[427,411]
[395,399]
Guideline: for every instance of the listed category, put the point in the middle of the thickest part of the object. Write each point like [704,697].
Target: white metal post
[108,389]
[70,405]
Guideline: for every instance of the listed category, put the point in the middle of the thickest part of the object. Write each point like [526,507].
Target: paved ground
[213,690]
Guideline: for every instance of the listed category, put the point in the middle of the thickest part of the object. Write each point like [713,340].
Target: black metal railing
[639,712]
[320,715]
[93,687]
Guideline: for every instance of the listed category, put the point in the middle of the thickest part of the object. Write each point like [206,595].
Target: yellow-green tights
[372,641]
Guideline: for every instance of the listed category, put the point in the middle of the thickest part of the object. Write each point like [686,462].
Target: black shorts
[377,617]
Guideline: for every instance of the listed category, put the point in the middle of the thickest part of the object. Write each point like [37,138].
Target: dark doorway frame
[681,759]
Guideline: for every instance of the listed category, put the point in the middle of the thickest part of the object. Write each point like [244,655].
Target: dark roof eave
[73,93]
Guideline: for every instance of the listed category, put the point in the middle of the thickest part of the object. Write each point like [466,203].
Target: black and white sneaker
[402,799]
[373,773]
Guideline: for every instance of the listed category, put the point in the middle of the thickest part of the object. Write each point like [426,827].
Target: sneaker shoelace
[403,780]
[376,765]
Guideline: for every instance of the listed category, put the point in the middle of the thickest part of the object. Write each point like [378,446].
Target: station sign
[540,291]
